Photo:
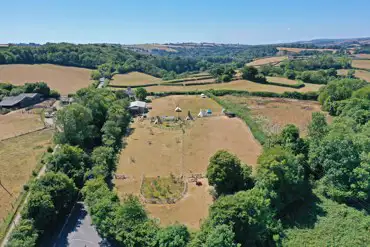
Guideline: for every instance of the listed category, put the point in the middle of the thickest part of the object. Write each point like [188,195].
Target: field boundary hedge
[290,95]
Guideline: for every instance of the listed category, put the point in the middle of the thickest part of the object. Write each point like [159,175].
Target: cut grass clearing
[162,189]
[19,157]
[361,64]
[297,50]
[64,79]
[134,79]
[282,80]
[268,60]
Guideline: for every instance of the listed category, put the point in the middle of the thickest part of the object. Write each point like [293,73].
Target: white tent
[202,113]
[178,109]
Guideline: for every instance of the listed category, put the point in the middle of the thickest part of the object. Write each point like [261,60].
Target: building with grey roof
[20,101]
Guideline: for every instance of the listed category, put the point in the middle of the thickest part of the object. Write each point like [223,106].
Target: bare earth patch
[274,113]
[236,85]
[61,78]
[16,123]
[19,156]
[133,78]
[361,64]
[153,151]
[269,60]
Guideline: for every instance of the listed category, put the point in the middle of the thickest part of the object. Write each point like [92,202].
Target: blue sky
[160,21]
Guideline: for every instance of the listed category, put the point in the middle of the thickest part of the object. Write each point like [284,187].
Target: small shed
[138,107]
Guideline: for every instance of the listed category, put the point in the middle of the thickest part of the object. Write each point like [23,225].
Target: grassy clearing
[133,79]
[327,223]
[64,79]
[361,64]
[162,189]
[269,60]
[297,50]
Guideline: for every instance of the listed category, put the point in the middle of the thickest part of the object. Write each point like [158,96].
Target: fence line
[26,133]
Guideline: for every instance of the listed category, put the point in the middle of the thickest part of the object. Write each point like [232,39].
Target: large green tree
[226,173]
[173,236]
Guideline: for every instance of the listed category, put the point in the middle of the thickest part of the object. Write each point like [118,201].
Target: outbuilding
[20,101]
[138,107]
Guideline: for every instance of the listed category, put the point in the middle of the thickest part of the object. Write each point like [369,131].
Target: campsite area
[182,151]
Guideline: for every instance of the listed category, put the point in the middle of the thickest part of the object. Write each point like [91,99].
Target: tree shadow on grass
[303,214]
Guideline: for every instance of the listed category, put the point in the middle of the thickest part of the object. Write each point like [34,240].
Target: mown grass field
[134,78]
[64,79]
[19,157]
[361,64]
[236,85]
[269,60]
[362,74]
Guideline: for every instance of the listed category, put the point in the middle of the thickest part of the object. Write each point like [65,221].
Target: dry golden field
[235,85]
[297,50]
[361,64]
[281,80]
[18,157]
[134,78]
[269,60]
[362,74]
[182,151]
[61,78]
[274,113]
[16,123]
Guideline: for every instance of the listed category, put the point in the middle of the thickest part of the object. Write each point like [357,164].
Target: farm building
[138,107]
[20,101]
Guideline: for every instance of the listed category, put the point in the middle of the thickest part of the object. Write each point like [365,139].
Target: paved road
[79,231]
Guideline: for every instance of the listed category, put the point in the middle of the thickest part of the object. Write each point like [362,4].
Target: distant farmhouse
[20,101]
[138,107]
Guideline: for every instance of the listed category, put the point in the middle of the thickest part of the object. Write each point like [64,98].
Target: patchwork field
[61,78]
[362,74]
[361,64]
[235,85]
[182,151]
[19,156]
[269,60]
[274,113]
[281,80]
[16,123]
[133,78]
[297,50]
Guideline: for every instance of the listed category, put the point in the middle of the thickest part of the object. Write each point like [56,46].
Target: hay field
[269,60]
[362,74]
[16,123]
[19,156]
[281,80]
[361,64]
[235,85]
[61,78]
[133,78]
[297,50]
[154,151]
[274,113]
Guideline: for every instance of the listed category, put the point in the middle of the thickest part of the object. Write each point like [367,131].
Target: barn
[20,101]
